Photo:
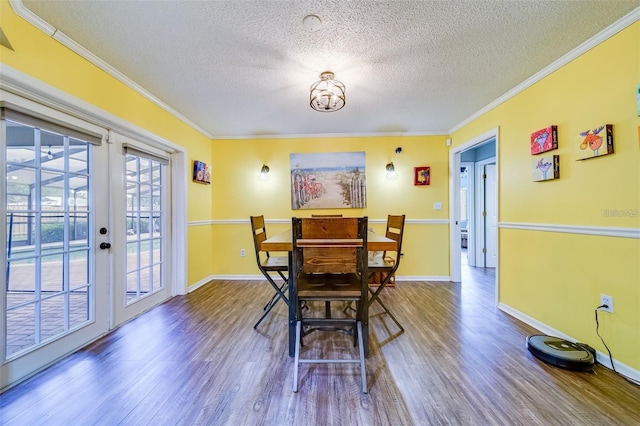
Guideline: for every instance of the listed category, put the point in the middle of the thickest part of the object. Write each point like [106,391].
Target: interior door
[140,207]
[55,284]
[491,220]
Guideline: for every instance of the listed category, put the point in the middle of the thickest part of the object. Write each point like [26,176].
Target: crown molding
[603,35]
[26,86]
[20,10]
[627,20]
[333,135]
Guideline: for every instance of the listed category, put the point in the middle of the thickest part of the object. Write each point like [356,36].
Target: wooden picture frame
[544,140]
[201,172]
[596,142]
[422,176]
[546,167]
[328,180]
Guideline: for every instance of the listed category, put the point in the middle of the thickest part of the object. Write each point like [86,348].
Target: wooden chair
[267,264]
[330,264]
[326,215]
[388,265]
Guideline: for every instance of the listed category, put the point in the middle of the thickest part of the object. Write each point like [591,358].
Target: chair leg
[375,296]
[266,312]
[363,371]
[388,312]
[283,287]
[297,355]
[279,295]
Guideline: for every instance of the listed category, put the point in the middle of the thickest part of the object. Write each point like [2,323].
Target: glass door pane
[50,274]
[141,228]
[144,227]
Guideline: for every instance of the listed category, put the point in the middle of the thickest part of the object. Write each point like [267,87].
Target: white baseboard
[210,278]
[258,277]
[442,278]
[601,357]
[199,284]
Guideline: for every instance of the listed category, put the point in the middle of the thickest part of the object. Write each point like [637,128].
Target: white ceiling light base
[312,23]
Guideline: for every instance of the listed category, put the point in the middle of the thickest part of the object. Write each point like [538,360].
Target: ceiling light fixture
[327,94]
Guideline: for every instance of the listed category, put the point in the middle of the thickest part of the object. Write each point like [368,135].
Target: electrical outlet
[606,300]
[242,252]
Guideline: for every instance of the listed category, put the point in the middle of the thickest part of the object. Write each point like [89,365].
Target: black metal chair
[267,264]
[388,265]
[330,264]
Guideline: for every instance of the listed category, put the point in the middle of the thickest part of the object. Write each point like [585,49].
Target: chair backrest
[395,230]
[326,215]
[330,245]
[259,234]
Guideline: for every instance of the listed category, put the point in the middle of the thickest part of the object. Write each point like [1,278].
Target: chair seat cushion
[329,286]
[276,263]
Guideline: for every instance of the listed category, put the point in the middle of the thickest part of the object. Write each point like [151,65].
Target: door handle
[105,246]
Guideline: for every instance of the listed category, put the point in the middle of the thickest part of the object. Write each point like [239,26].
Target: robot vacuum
[562,353]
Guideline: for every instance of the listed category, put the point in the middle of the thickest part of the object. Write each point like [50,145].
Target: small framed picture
[422,176]
[201,173]
[546,168]
[596,142]
[544,140]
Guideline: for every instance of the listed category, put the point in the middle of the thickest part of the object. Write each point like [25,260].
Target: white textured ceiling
[244,68]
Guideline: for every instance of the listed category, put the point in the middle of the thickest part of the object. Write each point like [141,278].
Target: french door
[56,277]
[87,233]
[141,227]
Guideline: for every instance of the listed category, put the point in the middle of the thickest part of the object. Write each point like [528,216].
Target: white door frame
[18,87]
[455,269]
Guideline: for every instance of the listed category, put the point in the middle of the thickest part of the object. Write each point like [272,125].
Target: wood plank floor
[196,360]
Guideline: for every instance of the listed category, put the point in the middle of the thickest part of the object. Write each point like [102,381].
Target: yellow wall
[42,57]
[557,278]
[239,193]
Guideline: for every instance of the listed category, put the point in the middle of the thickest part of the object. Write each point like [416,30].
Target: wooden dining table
[283,242]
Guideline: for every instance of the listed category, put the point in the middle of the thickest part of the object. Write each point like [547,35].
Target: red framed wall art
[422,176]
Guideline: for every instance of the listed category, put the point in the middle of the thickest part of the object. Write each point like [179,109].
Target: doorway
[480,155]
[72,191]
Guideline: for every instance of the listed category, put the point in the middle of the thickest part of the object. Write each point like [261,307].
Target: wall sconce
[264,172]
[391,171]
